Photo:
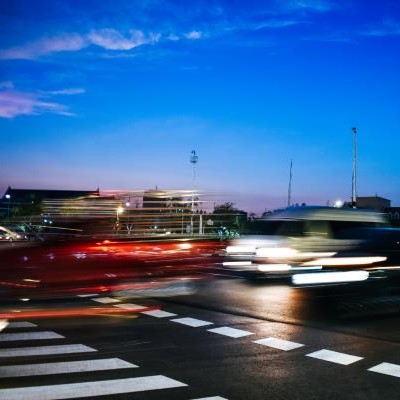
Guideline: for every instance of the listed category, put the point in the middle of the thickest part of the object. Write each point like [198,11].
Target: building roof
[40,194]
[310,213]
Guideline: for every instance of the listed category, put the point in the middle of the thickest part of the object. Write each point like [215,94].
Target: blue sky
[116,94]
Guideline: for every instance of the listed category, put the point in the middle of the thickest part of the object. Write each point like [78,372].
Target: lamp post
[120,210]
[193,160]
[8,197]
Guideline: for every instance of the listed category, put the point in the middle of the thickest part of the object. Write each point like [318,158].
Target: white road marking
[212,398]
[3,324]
[130,306]
[45,350]
[158,313]
[232,332]
[106,300]
[278,343]
[90,389]
[387,369]
[22,325]
[6,337]
[88,295]
[64,367]
[335,357]
[191,322]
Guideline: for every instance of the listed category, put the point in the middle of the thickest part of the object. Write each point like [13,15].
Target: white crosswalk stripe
[45,350]
[231,332]
[387,369]
[191,322]
[278,343]
[64,367]
[3,324]
[335,357]
[91,389]
[130,306]
[106,300]
[212,398]
[158,313]
[7,337]
[21,324]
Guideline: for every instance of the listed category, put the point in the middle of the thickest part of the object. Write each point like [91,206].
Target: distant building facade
[29,195]
[373,202]
[17,198]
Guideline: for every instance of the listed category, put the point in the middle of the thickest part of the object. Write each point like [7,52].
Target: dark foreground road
[229,340]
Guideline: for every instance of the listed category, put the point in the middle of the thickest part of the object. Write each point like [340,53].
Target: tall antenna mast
[289,201]
[354,178]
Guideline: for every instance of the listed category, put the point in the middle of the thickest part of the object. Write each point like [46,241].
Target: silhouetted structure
[13,198]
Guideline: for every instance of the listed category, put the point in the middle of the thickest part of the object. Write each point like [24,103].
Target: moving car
[300,241]
[67,268]
[9,235]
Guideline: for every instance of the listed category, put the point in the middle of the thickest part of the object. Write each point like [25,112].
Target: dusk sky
[116,94]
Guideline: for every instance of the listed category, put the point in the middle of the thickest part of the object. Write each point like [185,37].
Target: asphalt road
[229,340]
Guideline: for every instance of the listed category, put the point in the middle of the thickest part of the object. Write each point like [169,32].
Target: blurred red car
[37,270]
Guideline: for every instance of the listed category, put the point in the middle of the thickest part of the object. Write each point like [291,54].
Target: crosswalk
[331,356]
[74,372]
[83,371]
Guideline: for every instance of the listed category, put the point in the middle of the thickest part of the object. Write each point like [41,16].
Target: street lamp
[338,203]
[120,210]
[193,160]
[8,196]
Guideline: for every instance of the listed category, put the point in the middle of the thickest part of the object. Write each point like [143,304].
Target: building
[373,202]
[16,199]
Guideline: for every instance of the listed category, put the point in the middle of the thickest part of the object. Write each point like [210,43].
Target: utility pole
[290,185]
[354,178]
[193,160]
[8,197]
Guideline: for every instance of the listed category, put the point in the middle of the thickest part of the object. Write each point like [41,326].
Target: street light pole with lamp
[120,210]
[8,197]
[193,160]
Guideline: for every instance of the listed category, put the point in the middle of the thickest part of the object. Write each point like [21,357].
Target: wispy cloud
[387,28]
[6,85]
[32,50]
[309,5]
[276,23]
[193,35]
[109,39]
[14,103]
[67,92]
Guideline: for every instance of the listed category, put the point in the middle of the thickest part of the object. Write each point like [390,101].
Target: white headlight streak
[330,277]
[345,261]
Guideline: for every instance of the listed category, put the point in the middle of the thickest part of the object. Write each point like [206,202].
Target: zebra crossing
[47,350]
[276,343]
[45,366]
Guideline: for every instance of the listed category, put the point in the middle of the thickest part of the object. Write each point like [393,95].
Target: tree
[228,219]
[28,209]
[226,208]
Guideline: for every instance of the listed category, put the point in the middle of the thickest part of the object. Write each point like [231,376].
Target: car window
[346,229]
[318,228]
[291,228]
[259,227]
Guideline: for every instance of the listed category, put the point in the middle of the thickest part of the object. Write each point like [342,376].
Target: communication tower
[354,180]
